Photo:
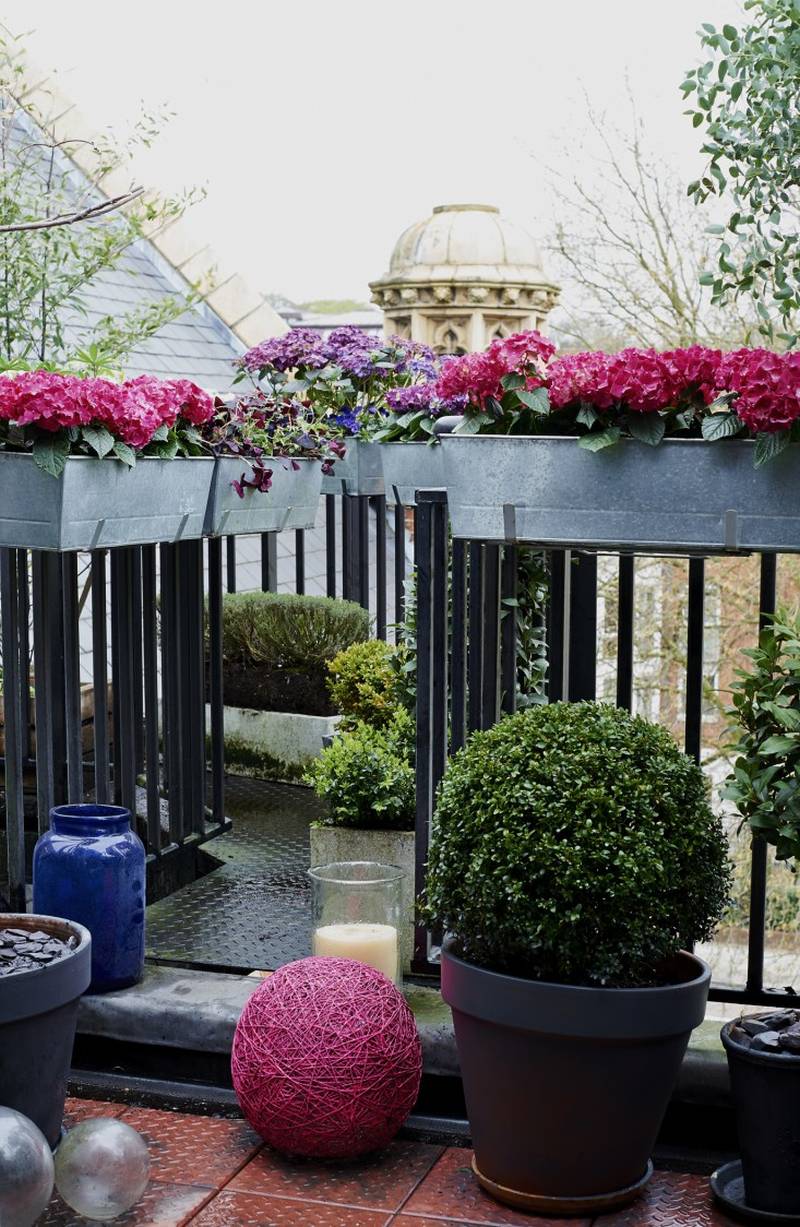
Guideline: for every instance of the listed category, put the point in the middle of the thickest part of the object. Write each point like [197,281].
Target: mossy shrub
[575,843]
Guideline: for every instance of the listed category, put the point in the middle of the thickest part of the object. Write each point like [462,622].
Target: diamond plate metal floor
[253,911]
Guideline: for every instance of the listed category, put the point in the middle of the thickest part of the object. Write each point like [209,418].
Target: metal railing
[466,675]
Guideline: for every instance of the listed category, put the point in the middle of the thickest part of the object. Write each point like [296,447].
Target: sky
[321,129]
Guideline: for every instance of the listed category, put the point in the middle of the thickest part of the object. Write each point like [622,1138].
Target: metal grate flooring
[253,912]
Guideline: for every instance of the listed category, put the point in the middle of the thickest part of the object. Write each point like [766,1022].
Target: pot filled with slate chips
[764,1063]
[45,966]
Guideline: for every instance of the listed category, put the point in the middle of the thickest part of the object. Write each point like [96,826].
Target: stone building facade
[462,277]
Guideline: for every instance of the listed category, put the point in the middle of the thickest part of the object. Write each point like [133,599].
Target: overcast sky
[322,128]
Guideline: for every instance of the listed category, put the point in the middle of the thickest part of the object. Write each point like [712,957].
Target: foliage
[575,843]
[283,630]
[745,98]
[364,683]
[46,273]
[765,784]
[533,584]
[55,416]
[343,378]
[630,246]
[258,429]
[642,394]
[367,777]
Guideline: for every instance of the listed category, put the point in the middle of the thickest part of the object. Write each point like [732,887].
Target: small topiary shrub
[367,777]
[575,843]
[277,646]
[365,683]
[284,630]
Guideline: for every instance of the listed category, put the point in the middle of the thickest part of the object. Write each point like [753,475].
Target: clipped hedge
[575,843]
[282,630]
[364,682]
[366,776]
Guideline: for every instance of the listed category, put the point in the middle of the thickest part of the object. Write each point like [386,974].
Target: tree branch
[69,219]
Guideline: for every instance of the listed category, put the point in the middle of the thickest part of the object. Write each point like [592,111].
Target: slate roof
[198,345]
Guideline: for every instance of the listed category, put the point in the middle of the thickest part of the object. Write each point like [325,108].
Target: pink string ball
[326,1059]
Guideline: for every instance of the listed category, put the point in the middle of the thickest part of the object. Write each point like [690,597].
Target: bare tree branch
[70,219]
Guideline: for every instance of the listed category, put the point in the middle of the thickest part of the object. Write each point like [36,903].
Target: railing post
[582,626]
[14,680]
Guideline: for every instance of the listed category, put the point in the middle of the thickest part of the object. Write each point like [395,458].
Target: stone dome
[465,243]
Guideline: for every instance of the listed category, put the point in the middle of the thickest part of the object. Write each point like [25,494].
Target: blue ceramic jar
[90,867]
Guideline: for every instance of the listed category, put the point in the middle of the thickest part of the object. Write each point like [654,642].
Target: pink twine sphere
[326,1059]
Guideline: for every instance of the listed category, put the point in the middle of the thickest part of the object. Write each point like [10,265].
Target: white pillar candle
[373,944]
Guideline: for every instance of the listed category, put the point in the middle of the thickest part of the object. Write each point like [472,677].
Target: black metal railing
[158,662]
[466,675]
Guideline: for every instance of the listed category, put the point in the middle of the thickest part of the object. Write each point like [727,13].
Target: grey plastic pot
[686,494]
[408,467]
[38,1013]
[361,471]
[566,1087]
[766,1093]
[291,502]
[102,503]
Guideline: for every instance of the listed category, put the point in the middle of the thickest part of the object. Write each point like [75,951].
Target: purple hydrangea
[417,396]
[300,347]
[347,420]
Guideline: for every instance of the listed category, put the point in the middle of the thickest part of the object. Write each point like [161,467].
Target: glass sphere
[26,1170]
[102,1168]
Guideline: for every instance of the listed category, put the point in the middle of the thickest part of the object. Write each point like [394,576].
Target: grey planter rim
[572,1010]
[39,990]
[788,1061]
[450,440]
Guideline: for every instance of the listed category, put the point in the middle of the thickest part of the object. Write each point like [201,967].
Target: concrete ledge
[197,1011]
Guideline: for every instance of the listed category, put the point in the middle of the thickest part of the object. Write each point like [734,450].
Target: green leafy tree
[60,231]
[745,98]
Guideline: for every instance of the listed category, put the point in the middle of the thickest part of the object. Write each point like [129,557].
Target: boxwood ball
[326,1059]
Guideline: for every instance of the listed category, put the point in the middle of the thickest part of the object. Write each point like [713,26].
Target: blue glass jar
[90,867]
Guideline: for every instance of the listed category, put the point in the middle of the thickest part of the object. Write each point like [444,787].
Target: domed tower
[462,277]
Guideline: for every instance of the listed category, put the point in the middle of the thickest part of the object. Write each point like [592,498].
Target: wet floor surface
[253,911]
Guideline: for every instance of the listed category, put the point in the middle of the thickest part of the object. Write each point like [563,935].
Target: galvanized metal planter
[361,471]
[291,502]
[685,495]
[408,467]
[102,503]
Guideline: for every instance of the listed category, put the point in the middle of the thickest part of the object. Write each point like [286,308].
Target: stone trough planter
[361,471]
[273,745]
[330,845]
[408,467]
[102,503]
[291,502]
[685,495]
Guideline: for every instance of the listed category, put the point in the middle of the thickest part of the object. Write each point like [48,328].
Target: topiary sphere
[326,1059]
[574,842]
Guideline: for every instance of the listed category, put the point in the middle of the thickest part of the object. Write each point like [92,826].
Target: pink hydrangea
[195,405]
[581,377]
[474,378]
[768,387]
[695,370]
[44,398]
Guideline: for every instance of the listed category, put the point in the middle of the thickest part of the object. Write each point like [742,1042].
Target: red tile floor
[217,1173]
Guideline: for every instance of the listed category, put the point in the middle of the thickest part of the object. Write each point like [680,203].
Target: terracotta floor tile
[379,1182]
[76,1110]
[200,1150]
[672,1199]
[451,1191]
[414,1220]
[255,1210]
[163,1205]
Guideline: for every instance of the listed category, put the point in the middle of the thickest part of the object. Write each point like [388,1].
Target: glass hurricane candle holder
[357,913]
